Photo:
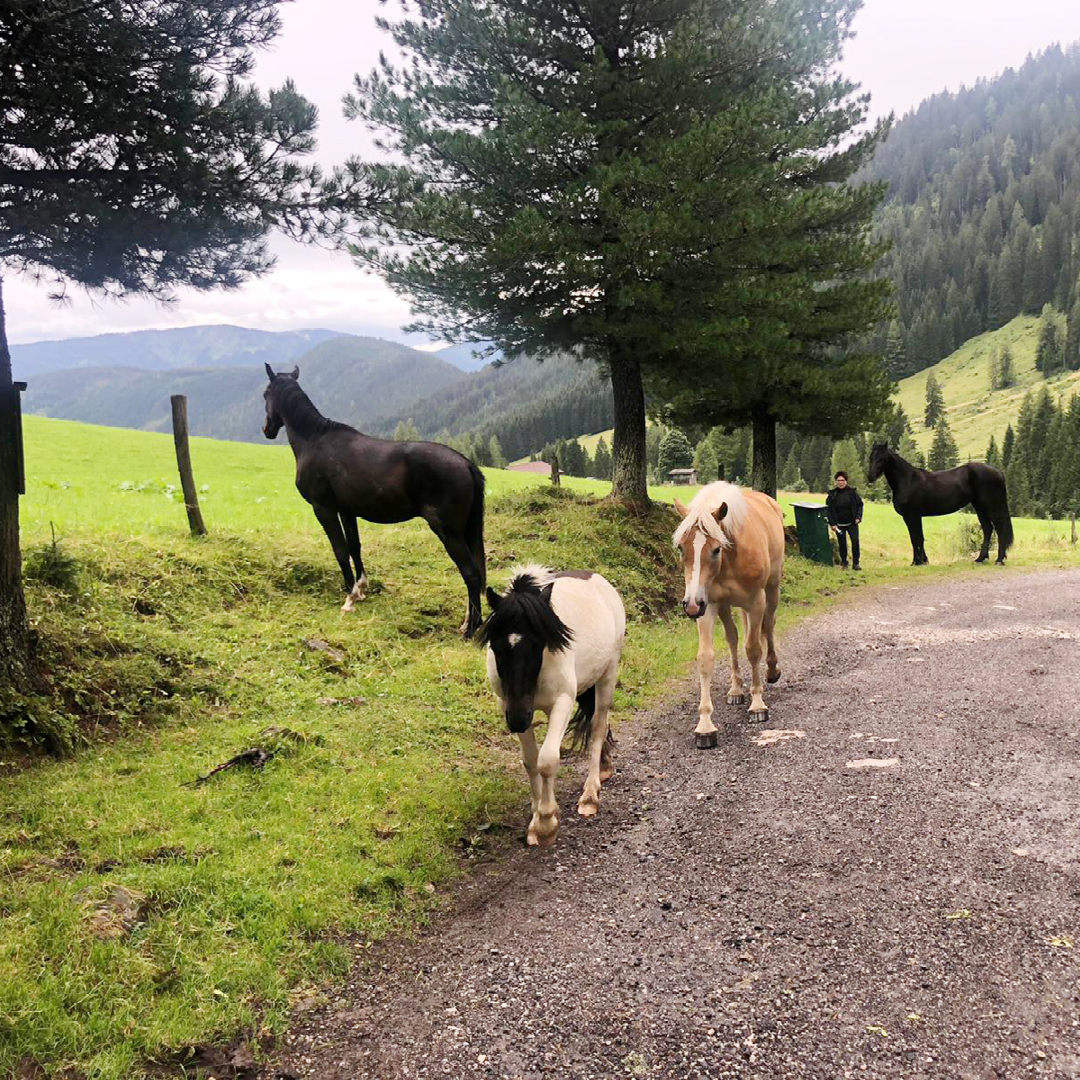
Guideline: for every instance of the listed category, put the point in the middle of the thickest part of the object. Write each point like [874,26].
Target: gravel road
[766,911]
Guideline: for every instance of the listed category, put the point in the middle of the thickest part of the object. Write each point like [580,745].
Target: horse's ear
[683,511]
[493,598]
[295,373]
[269,372]
[720,512]
[545,592]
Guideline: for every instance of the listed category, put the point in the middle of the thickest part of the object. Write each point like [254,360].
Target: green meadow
[390,772]
[975,412]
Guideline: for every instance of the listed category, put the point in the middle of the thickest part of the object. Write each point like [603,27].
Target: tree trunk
[629,473]
[14,632]
[764,451]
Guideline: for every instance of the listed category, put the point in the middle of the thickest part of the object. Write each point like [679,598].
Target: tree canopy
[136,156]
[639,182]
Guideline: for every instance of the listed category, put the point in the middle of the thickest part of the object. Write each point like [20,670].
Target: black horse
[345,474]
[919,493]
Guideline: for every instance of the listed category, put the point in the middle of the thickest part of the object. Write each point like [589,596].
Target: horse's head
[879,455]
[272,423]
[521,626]
[700,544]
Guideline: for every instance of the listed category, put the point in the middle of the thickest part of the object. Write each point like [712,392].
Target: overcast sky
[904,51]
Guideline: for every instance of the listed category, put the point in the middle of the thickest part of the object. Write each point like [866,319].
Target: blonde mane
[705,504]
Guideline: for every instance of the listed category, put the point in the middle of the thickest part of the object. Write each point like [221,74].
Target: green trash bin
[813,531]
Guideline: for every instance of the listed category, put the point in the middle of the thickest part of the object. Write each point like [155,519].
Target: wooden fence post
[183,461]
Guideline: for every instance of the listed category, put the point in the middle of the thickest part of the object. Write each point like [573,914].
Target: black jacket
[840,509]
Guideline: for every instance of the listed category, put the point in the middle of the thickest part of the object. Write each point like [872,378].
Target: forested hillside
[984,211]
[525,404]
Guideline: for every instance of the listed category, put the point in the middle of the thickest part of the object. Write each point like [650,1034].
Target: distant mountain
[352,379]
[165,350]
[461,356]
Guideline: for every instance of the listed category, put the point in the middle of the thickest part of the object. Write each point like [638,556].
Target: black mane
[526,609]
[295,407]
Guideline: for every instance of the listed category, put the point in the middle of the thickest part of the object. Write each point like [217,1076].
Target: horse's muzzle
[698,609]
[519,720]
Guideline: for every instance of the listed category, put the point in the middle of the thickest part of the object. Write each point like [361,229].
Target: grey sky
[904,51]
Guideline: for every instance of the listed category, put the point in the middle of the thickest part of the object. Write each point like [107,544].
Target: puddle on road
[775,735]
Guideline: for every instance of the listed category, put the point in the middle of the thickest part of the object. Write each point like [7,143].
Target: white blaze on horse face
[695,591]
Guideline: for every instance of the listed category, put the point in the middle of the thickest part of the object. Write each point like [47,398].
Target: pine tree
[1048,356]
[1007,444]
[935,401]
[845,456]
[136,156]
[676,452]
[602,461]
[993,455]
[943,451]
[495,452]
[1006,369]
[532,136]
[791,479]
[995,369]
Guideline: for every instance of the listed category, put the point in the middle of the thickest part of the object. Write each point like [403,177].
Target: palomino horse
[345,474]
[554,638]
[732,544]
[919,493]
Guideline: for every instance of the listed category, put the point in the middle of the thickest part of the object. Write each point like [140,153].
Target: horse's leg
[755,617]
[529,754]
[705,732]
[545,823]
[768,624]
[461,555]
[352,540]
[915,531]
[589,802]
[736,694]
[987,528]
[331,524]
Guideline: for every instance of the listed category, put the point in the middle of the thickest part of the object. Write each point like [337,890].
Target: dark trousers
[842,533]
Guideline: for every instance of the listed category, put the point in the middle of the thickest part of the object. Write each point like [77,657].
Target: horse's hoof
[588,808]
[705,740]
[759,717]
[548,840]
[773,675]
[736,699]
[606,774]
[531,838]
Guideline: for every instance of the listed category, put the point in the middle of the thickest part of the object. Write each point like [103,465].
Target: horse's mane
[705,503]
[299,410]
[524,610]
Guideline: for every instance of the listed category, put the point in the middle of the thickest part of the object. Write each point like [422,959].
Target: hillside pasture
[975,412]
[391,770]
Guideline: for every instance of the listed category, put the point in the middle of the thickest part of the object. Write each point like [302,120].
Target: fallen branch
[255,756]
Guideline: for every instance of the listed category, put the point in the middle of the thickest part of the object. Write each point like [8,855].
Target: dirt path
[767,911]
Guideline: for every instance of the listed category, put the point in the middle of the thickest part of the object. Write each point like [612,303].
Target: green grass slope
[975,412]
[258,889]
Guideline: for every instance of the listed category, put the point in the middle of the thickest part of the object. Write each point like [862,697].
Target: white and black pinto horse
[554,640]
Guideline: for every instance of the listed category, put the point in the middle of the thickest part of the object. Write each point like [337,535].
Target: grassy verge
[145,918]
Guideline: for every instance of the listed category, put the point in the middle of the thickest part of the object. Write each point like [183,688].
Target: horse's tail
[1003,521]
[580,726]
[474,525]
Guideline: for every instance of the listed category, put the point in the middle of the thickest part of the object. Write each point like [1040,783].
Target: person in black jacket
[843,509]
